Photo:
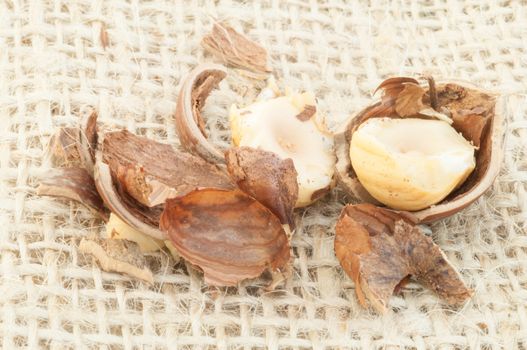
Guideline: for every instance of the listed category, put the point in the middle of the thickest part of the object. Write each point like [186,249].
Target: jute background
[53,67]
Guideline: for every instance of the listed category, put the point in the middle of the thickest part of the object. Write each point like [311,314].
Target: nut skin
[457,95]
[226,233]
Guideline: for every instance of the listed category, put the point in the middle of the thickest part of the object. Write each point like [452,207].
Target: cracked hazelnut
[475,114]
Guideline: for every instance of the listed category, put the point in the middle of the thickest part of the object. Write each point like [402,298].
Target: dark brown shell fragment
[88,140]
[380,248]
[267,178]
[142,218]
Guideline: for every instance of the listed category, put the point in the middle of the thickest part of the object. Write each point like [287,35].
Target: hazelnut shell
[190,126]
[467,103]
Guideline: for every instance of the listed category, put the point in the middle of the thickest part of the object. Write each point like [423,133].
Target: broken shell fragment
[88,140]
[288,126]
[63,148]
[141,218]
[267,178]
[189,123]
[118,256]
[226,233]
[236,49]
[75,147]
[476,114]
[74,184]
[118,229]
[150,171]
[380,248]
[133,173]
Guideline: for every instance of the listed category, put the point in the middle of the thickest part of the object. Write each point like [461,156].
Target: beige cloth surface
[53,67]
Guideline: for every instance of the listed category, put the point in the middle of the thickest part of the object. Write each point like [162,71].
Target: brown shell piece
[401,96]
[141,218]
[63,148]
[266,177]
[472,123]
[189,124]
[307,113]
[236,49]
[380,248]
[118,255]
[477,114]
[409,101]
[88,140]
[75,184]
[150,172]
[392,87]
[226,233]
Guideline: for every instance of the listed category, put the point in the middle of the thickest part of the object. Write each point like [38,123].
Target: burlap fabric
[53,67]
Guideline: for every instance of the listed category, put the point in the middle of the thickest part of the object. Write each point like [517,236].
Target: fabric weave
[53,67]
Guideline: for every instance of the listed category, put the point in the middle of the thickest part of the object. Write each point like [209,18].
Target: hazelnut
[474,113]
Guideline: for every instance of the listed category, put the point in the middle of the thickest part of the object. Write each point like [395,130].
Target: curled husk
[476,113]
[75,184]
[190,126]
[266,177]
[380,248]
[226,233]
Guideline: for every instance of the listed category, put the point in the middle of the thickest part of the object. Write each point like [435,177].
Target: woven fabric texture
[53,67]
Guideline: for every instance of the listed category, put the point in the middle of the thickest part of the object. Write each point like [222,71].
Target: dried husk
[87,141]
[266,177]
[379,249]
[307,113]
[478,114]
[75,184]
[120,256]
[75,146]
[189,124]
[226,233]
[236,49]
[63,148]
